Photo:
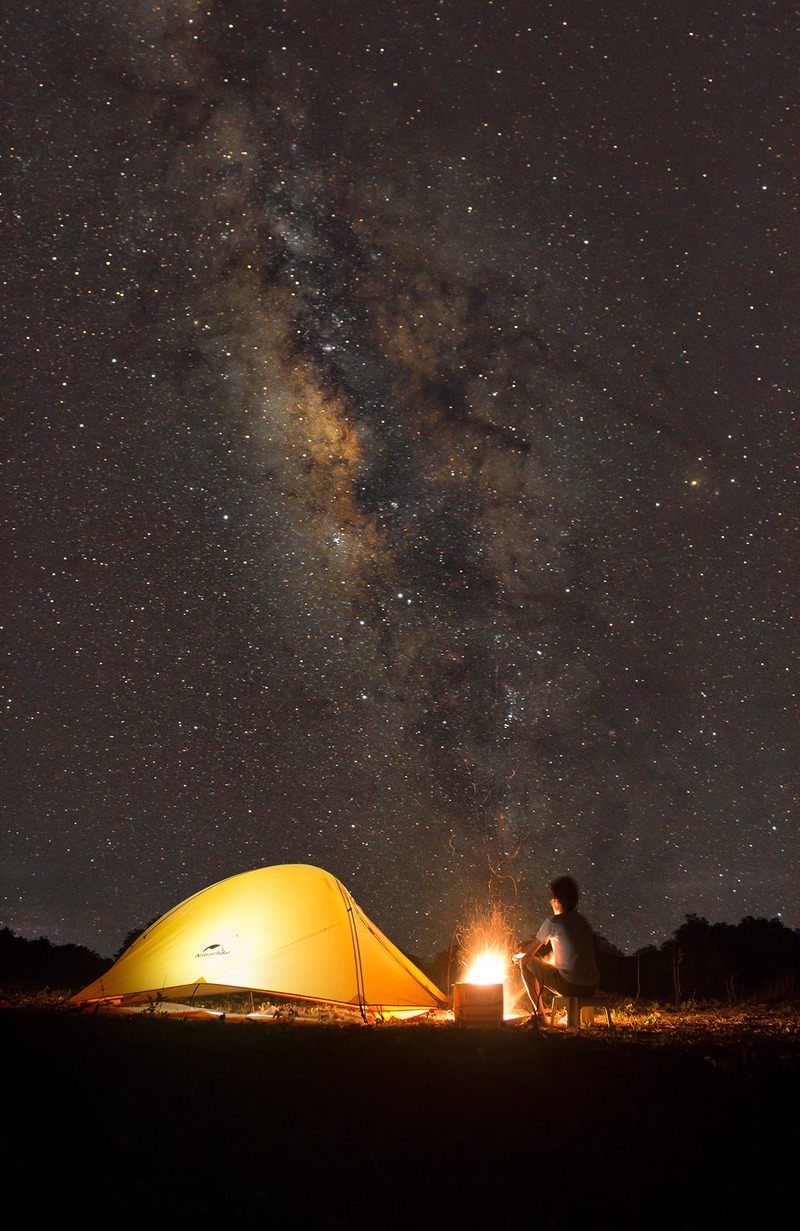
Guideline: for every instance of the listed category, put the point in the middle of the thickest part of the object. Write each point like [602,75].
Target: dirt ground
[679,1119]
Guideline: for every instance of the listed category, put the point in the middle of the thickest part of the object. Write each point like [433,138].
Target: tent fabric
[292,930]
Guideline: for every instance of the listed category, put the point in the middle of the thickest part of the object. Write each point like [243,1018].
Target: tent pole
[362,999]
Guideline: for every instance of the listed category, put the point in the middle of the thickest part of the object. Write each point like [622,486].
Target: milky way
[401,429]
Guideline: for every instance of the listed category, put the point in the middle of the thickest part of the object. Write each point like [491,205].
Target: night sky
[400,443]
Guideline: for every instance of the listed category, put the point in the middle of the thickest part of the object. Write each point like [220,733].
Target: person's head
[564,892]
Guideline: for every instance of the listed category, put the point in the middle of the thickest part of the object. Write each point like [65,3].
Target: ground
[676,1118]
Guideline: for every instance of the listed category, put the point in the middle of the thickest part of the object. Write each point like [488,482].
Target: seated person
[573,970]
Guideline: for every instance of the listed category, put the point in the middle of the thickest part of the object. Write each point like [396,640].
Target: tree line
[705,961]
[702,961]
[38,965]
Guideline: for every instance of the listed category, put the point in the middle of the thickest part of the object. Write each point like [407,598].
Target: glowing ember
[490,966]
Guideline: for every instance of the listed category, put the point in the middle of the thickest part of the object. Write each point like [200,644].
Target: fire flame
[490,966]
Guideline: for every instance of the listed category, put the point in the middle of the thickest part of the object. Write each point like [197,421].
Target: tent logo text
[213,951]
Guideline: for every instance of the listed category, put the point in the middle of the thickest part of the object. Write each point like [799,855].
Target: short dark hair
[565,890]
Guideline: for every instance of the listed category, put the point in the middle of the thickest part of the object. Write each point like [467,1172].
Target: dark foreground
[331,1127]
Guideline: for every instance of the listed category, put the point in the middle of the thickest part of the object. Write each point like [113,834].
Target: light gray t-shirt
[572,939]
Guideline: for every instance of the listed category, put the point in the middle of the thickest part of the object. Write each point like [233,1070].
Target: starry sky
[399,405]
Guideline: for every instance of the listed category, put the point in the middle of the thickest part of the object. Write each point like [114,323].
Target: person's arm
[529,951]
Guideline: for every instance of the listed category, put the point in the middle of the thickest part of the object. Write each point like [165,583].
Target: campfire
[486,992]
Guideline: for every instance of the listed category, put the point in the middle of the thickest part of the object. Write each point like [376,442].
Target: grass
[674,1119]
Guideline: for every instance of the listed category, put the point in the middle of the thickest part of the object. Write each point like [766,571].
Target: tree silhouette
[133,935]
[37,964]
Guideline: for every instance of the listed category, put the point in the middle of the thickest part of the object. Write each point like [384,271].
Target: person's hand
[517,958]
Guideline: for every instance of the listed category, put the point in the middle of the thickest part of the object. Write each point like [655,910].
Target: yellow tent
[292,930]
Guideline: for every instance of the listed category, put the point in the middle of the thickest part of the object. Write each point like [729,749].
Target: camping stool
[581,1009]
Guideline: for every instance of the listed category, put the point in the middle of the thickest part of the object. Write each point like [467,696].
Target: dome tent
[292,930]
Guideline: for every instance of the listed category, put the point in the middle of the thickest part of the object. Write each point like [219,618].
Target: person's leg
[532,978]
[529,984]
